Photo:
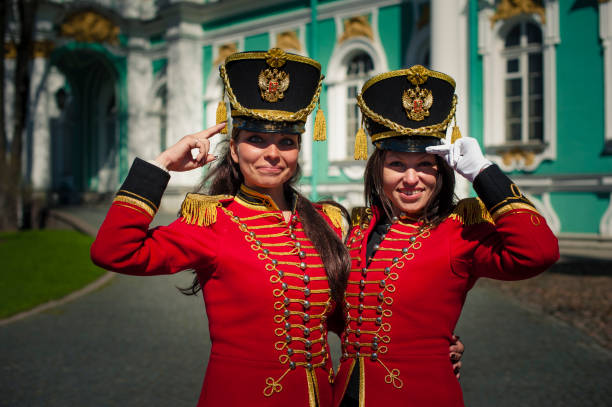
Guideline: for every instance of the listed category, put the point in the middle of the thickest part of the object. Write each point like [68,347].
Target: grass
[42,265]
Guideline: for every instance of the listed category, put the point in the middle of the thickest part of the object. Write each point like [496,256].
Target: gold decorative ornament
[288,40]
[518,155]
[221,115]
[417,75]
[276,57]
[201,210]
[40,49]
[90,27]
[511,8]
[361,145]
[416,102]
[320,127]
[225,50]
[272,84]
[357,27]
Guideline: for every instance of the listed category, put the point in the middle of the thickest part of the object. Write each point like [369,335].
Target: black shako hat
[272,91]
[406,110]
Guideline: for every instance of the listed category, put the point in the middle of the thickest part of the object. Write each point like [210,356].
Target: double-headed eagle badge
[273,82]
[417,101]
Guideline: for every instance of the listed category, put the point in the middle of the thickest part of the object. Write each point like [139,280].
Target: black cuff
[144,186]
[498,192]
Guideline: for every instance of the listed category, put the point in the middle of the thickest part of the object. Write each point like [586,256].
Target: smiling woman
[266,160]
[270,264]
[416,252]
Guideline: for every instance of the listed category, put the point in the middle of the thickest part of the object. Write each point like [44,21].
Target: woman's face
[266,160]
[409,180]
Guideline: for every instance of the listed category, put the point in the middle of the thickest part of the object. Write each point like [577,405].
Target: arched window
[358,70]
[519,84]
[523,84]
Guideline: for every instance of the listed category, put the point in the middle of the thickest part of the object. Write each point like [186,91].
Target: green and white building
[113,80]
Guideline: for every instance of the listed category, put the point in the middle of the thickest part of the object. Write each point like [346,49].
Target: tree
[13,192]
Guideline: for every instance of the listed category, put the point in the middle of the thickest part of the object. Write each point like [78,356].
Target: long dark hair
[225,178]
[437,209]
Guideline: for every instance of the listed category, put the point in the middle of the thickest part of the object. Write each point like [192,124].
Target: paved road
[138,342]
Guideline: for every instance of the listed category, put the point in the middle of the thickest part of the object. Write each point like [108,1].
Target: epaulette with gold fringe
[202,209]
[471,211]
[334,214]
[359,215]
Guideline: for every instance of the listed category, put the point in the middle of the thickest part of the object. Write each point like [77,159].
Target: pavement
[139,342]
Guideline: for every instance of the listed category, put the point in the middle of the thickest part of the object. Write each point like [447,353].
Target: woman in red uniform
[416,252]
[269,263]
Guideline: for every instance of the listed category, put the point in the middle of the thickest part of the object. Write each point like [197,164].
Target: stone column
[185,94]
[143,140]
[449,54]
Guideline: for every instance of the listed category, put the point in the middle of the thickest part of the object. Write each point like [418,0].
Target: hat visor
[408,144]
[267,126]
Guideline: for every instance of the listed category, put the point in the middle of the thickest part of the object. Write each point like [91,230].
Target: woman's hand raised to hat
[179,156]
[464,156]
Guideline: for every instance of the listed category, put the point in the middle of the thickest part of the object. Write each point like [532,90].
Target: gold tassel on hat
[222,115]
[320,130]
[361,145]
[456,134]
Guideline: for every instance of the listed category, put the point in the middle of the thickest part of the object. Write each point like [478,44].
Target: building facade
[113,80]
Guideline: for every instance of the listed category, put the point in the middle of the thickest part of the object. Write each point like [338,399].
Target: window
[523,84]
[358,71]
[519,85]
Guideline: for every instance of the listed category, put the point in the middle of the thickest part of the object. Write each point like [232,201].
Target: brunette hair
[437,209]
[225,178]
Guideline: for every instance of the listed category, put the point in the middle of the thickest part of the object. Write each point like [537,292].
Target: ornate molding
[288,40]
[41,49]
[225,50]
[516,157]
[357,27]
[507,9]
[88,26]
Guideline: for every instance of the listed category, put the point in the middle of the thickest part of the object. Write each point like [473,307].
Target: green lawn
[41,265]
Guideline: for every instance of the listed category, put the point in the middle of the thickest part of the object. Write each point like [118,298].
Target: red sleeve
[126,245]
[515,243]
[520,245]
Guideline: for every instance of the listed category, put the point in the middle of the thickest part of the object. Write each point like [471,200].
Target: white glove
[464,156]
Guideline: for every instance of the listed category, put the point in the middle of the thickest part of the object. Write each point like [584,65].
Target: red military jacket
[402,306]
[264,286]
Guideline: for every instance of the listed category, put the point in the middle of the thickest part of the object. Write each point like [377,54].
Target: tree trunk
[12,190]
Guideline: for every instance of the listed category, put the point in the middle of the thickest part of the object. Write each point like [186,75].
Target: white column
[605,32]
[185,96]
[449,54]
[143,139]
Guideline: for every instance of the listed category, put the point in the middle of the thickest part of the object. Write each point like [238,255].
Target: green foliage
[42,265]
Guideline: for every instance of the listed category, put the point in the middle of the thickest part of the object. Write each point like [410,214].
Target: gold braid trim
[201,209]
[136,202]
[434,128]
[301,114]
[335,215]
[471,211]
